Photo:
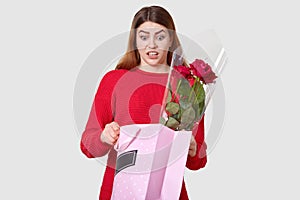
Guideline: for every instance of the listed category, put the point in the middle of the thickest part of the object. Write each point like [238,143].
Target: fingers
[193,143]
[193,147]
[110,134]
[113,132]
[115,126]
[192,153]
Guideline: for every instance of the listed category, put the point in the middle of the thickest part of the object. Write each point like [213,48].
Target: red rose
[191,80]
[203,71]
[183,70]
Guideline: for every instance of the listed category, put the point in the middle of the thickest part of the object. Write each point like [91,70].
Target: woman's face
[153,41]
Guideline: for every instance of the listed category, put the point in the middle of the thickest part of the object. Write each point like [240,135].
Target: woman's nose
[152,43]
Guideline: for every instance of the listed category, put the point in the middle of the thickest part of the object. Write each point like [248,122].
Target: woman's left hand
[193,147]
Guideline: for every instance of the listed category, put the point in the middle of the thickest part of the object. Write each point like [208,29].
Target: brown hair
[155,14]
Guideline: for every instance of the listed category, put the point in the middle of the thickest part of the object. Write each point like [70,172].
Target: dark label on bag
[125,160]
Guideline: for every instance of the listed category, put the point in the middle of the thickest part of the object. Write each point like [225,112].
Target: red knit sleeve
[100,115]
[200,159]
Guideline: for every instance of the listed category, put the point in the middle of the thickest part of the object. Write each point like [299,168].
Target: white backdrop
[44,44]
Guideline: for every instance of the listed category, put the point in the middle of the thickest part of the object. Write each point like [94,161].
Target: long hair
[155,14]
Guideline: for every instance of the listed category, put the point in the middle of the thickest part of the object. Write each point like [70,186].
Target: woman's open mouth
[152,54]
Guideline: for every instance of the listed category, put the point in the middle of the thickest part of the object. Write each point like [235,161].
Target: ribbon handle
[122,144]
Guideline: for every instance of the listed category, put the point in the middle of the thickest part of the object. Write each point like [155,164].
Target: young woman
[133,93]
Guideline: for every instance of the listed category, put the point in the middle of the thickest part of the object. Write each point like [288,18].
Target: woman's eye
[160,37]
[143,37]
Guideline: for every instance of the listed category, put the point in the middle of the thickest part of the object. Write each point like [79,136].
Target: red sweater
[130,97]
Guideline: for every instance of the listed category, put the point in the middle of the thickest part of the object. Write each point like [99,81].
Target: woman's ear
[170,42]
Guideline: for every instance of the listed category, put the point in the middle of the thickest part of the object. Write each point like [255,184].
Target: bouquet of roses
[185,99]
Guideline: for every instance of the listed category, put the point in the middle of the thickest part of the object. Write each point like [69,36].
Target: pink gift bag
[150,163]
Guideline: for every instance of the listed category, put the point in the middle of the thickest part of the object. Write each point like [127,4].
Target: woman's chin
[154,62]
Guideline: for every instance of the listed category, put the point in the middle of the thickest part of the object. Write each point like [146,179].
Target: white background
[44,44]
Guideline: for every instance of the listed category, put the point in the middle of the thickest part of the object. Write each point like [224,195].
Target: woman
[133,93]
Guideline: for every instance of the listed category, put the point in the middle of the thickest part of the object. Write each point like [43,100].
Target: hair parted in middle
[154,14]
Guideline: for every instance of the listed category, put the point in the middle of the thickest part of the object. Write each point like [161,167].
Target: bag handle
[127,142]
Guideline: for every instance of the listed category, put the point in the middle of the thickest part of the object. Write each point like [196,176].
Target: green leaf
[169,96]
[184,88]
[187,117]
[177,116]
[199,92]
[172,123]
[184,103]
[198,109]
[162,121]
[172,107]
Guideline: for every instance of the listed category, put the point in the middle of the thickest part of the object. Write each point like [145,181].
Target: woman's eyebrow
[160,31]
[142,31]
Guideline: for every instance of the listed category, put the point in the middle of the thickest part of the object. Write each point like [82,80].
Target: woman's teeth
[153,53]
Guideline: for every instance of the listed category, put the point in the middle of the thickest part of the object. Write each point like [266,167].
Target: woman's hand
[193,147]
[110,134]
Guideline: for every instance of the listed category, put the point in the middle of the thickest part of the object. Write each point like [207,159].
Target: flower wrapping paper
[151,162]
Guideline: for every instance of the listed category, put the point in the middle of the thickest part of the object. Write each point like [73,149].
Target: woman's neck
[154,69]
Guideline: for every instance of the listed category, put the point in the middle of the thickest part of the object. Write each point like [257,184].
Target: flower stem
[177,88]
[193,89]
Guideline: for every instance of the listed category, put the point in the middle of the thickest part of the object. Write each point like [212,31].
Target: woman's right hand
[110,134]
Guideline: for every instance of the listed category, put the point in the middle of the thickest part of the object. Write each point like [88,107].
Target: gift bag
[150,162]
